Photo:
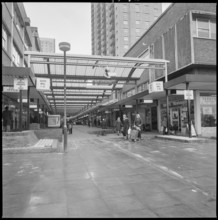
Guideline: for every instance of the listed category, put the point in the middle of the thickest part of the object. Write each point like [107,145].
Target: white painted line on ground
[161,168]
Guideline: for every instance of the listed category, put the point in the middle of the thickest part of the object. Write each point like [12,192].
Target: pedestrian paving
[107,176]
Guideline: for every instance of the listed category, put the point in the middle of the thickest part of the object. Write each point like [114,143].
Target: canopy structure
[88,80]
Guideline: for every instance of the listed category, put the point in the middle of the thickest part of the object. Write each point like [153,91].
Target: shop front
[178,113]
[208,114]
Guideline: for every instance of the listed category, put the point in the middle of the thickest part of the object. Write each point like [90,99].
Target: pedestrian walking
[119,124]
[125,126]
[70,128]
[103,124]
[164,125]
[138,125]
[7,119]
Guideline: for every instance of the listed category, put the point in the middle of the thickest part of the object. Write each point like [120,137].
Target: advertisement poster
[54,121]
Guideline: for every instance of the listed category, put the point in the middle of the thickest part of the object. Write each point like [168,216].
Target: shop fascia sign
[20,83]
[188,94]
[127,106]
[42,84]
[10,89]
[155,87]
[103,82]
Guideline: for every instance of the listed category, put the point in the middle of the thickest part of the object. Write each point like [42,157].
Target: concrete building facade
[185,34]
[116,26]
[17,37]
[47,45]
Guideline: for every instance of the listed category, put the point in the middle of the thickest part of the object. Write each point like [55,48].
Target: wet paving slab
[106,176]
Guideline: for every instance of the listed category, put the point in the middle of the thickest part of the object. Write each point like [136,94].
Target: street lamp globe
[64,46]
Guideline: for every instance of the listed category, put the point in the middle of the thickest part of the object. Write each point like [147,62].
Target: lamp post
[64,46]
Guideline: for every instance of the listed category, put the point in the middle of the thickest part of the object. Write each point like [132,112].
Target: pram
[133,134]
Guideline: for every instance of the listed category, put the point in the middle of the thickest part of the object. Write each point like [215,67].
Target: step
[42,146]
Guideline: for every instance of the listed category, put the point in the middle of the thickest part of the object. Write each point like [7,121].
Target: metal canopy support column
[120,112]
[167,100]
[28,108]
[21,111]
[136,106]
[188,107]
[38,116]
[168,118]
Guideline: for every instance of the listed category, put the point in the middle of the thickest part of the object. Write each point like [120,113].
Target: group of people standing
[129,131]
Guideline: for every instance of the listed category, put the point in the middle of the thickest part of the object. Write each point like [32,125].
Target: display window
[208,110]
[178,112]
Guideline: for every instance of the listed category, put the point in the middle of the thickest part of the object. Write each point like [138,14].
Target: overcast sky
[70,22]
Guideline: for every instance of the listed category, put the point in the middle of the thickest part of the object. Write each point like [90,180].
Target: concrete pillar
[38,112]
[158,116]
[28,108]
[21,111]
[189,112]
[197,112]
[168,113]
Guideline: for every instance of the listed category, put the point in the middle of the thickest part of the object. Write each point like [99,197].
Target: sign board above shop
[155,87]
[21,83]
[42,84]
[188,94]
[10,89]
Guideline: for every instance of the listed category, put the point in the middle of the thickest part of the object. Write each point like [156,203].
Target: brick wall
[205,50]
[183,41]
[167,20]
[169,44]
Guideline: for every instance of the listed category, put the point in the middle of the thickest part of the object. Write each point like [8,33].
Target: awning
[87,81]
[8,75]
[196,82]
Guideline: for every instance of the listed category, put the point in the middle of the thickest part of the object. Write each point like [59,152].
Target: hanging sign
[155,87]
[42,84]
[20,83]
[188,94]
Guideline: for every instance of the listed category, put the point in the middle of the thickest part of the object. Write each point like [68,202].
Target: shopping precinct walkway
[107,176]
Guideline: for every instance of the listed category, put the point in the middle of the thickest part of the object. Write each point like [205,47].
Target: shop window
[125,22]
[208,111]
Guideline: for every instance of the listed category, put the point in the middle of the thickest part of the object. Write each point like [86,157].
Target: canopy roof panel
[86,79]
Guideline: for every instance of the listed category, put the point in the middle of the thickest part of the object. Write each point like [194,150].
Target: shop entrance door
[175,118]
[154,118]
